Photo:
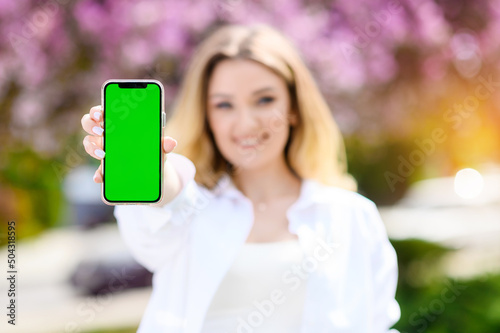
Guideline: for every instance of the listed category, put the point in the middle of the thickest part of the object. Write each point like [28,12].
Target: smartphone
[133,122]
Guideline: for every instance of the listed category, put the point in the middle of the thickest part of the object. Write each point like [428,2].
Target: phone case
[162,125]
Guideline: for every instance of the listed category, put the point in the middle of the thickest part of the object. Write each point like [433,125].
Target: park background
[413,84]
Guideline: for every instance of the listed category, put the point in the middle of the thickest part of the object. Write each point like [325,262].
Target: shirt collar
[311,191]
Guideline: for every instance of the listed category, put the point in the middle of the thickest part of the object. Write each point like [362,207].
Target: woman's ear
[293,118]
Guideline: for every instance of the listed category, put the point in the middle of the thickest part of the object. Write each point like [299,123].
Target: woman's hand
[91,123]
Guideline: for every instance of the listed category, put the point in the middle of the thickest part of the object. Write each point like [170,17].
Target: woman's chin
[252,165]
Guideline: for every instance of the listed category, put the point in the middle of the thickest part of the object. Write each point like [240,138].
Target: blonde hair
[315,148]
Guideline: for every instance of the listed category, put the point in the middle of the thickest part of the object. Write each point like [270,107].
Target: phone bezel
[162,129]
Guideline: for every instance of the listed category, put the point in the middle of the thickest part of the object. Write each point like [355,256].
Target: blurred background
[413,84]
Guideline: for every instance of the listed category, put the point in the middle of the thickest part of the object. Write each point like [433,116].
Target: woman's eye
[265,100]
[223,105]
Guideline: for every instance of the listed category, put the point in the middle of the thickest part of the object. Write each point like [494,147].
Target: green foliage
[36,198]
[433,303]
[368,162]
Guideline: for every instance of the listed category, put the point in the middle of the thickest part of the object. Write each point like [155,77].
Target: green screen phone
[133,122]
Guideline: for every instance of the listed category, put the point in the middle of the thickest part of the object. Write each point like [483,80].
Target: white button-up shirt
[190,243]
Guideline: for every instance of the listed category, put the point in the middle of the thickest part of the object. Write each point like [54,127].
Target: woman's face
[248,110]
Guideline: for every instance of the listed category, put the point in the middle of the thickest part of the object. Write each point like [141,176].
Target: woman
[262,231]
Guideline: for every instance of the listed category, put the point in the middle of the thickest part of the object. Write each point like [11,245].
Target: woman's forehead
[243,76]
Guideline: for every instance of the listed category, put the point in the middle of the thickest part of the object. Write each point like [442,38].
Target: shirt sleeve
[386,310]
[154,234]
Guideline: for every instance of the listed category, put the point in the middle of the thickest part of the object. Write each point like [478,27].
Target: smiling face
[248,111]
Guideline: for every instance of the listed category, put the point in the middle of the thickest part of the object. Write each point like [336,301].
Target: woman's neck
[267,183]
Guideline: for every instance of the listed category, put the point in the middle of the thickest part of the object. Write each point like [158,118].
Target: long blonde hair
[315,148]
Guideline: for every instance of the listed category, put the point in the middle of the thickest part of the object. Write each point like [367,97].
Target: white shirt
[190,244]
[259,293]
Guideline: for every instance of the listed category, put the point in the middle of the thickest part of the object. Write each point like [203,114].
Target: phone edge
[162,126]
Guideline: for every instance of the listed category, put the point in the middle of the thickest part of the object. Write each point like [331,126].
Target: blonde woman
[263,230]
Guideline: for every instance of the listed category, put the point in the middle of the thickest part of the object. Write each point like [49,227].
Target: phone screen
[132,121]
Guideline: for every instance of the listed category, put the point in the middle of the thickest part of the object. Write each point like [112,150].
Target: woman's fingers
[96,140]
[93,146]
[168,144]
[96,113]
[98,175]
[91,122]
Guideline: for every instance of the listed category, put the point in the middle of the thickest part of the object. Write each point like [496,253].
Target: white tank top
[263,291]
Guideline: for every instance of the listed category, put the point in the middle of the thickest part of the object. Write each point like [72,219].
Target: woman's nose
[246,120]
